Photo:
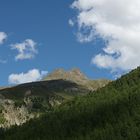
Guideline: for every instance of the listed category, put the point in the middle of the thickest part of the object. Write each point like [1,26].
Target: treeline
[111,113]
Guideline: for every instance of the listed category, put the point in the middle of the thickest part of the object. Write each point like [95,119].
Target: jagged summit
[77,72]
[76,76]
[73,75]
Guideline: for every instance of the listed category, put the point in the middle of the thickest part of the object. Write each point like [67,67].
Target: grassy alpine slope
[111,113]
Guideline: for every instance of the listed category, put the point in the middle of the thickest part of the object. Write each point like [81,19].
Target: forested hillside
[111,113]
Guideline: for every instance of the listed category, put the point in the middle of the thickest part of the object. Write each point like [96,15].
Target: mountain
[110,113]
[76,76]
[73,75]
[21,103]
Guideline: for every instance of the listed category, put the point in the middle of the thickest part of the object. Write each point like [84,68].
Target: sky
[39,36]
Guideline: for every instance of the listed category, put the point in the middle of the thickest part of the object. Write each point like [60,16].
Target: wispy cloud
[118,24]
[3,37]
[71,23]
[30,76]
[26,49]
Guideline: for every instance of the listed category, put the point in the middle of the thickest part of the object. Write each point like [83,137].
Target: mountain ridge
[75,75]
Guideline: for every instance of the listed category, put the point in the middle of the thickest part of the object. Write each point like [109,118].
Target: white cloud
[26,49]
[30,76]
[3,37]
[117,22]
[71,23]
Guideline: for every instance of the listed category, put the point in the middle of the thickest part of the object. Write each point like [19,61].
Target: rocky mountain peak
[73,75]
[58,71]
[76,72]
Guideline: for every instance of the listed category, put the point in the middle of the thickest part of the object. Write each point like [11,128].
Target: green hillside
[111,113]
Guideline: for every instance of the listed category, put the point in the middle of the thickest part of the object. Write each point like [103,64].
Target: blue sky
[46,23]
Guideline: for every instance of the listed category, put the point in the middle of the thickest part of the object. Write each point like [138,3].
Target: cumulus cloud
[26,49]
[30,76]
[3,37]
[117,22]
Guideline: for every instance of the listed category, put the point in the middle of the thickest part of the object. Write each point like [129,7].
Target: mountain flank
[23,102]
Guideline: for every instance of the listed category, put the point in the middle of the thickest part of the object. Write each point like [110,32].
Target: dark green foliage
[111,113]
[2,119]
[19,103]
[1,108]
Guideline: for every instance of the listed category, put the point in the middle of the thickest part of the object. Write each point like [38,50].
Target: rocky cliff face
[12,113]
